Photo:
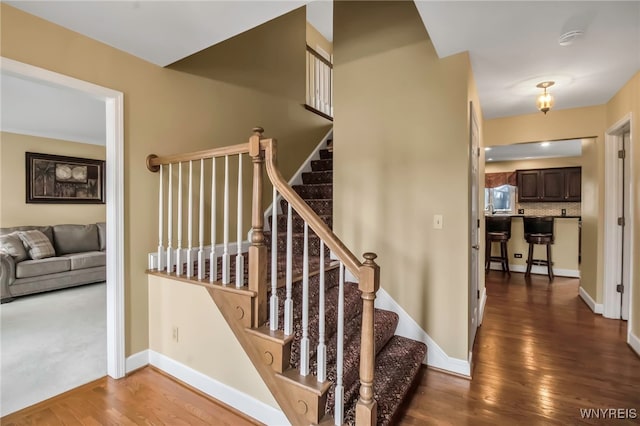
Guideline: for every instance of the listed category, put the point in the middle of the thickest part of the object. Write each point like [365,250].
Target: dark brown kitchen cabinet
[549,185]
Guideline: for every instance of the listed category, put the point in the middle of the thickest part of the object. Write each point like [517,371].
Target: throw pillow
[37,243]
[12,245]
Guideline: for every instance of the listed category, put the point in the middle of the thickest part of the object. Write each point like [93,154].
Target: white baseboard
[137,361]
[597,308]
[483,302]
[407,327]
[634,342]
[239,400]
[536,269]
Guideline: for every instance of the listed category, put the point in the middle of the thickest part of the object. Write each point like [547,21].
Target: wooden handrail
[321,229]
[154,162]
[319,56]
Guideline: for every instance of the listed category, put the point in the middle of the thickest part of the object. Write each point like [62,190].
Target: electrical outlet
[564,212]
[517,255]
[175,334]
[437,221]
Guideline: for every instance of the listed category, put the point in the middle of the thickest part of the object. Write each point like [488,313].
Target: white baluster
[226,259]
[170,222]
[273,320]
[304,343]
[213,259]
[201,224]
[322,347]
[288,304]
[190,224]
[160,264]
[339,397]
[179,254]
[239,256]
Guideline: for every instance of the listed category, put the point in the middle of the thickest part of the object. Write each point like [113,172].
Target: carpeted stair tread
[397,365]
[322,206]
[315,191]
[321,165]
[298,223]
[317,177]
[325,154]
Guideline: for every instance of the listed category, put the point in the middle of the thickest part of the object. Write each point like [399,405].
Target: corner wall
[14,210]
[401,140]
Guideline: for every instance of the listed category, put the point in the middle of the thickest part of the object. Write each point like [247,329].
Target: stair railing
[198,262]
[319,84]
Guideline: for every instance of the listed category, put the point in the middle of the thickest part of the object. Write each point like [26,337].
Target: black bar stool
[539,230]
[497,230]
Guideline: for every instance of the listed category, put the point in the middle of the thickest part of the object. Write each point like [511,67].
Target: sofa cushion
[86,260]
[75,238]
[35,268]
[37,244]
[11,244]
[46,230]
[102,235]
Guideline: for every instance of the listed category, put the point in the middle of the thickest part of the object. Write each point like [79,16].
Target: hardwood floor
[540,356]
[145,397]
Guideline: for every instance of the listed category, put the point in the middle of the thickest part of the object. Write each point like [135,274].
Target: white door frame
[114,198]
[611,298]
[474,232]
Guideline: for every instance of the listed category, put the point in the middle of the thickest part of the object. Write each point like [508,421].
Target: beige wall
[401,155]
[315,40]
[627,100]
[168,111]
[212,349]
[14,211]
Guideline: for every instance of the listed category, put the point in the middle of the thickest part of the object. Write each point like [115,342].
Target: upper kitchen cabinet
[549,185]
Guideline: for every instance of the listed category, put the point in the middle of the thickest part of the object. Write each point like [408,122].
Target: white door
[473,228]
[624,267]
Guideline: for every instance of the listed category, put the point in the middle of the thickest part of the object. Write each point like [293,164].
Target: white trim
[597,308]
[137,361]
[296,179]
[409,328]
[153,257]
[114,107]
[483,302]
[239,400]
[634,342]
[536,269]
[610,297]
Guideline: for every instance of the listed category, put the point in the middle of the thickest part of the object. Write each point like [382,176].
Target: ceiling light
[489,159]
[487,148]
[545,144]
[545,100]
[569,37]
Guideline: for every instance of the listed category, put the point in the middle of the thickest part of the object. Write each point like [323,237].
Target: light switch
[437,221]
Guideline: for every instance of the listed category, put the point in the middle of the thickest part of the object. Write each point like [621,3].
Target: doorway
[619,221]
[114,111]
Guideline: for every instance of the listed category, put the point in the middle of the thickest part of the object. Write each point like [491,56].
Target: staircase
[398,359]
[307,392]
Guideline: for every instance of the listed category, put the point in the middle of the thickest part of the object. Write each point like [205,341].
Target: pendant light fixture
[545,100]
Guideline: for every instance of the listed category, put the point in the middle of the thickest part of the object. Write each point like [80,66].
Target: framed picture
[59,179]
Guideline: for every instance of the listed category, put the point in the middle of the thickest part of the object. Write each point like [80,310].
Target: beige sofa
[80,258]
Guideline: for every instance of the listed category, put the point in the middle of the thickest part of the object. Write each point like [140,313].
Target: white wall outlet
[175,335]
[437,221]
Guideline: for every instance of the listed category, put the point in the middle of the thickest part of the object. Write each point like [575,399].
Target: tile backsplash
[550,209]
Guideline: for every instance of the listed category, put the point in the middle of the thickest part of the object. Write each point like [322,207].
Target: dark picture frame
[64,180]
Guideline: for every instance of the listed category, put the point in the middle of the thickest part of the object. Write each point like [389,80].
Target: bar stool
[539,230]
[498,230]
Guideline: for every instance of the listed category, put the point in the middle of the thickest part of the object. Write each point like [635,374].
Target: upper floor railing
[319,84]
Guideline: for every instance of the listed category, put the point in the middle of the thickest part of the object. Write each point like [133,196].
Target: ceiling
[534,150]
[512,45]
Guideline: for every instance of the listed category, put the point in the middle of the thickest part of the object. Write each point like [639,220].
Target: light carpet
[51,343]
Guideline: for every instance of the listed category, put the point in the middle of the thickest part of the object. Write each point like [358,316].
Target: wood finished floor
[145,397]
[540,355]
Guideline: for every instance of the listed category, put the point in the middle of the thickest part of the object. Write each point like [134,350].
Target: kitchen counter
[565,249]
[534,215]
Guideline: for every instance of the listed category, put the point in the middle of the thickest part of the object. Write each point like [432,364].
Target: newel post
[366,408]
[257,250]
